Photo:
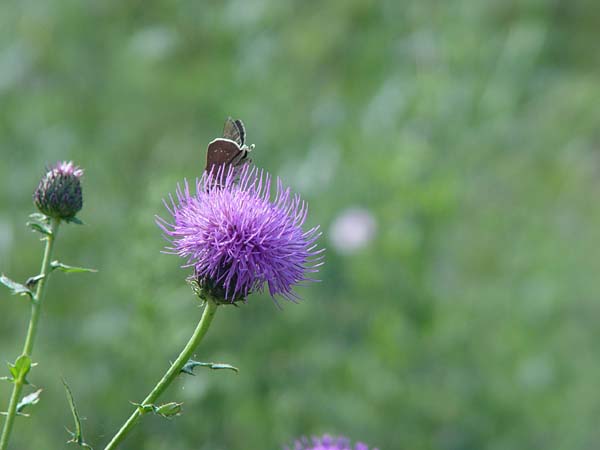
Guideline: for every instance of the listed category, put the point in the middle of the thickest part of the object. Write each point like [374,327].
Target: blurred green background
[466,131]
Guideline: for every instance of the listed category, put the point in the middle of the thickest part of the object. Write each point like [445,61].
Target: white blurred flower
[352,230]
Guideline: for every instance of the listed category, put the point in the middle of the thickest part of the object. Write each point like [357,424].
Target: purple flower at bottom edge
[238,238]
[327,442]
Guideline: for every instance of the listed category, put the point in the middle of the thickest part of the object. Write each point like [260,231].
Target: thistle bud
[59,193]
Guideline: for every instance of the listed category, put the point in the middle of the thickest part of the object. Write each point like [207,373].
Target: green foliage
[468,129]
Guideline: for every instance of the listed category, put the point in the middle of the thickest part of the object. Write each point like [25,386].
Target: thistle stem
[169,376]
[36,303]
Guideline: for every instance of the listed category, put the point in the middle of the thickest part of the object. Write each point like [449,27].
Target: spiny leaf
[191,364]
[69,269]
[20,368]
[29,400]
[40,222]
[16,288]
[77,435]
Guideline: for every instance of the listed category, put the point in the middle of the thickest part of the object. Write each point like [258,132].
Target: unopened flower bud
[59,193]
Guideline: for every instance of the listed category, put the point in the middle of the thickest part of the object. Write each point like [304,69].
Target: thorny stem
[36,304]
[170,375]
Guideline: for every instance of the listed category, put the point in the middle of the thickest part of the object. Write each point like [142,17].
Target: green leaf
[191,364]
[75,220]
[32,281]
[219,366]
[77,435]
[39,217]
[4,413]
[16,288]
[29,400]
[170,409]
[145,408]
[69,269]
[20,368]
[40,222]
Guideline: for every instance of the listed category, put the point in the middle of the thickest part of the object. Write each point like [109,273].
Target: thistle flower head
[239,238]
[327,443]
[58,194]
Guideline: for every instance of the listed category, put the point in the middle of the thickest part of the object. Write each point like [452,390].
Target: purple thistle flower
[237,238]
[59,192]
[327,443]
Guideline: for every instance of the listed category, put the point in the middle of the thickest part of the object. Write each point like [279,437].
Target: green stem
[36,304]
[170,375]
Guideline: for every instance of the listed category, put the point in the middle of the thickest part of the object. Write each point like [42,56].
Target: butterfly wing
[241,130]
[235,131]
[223,151]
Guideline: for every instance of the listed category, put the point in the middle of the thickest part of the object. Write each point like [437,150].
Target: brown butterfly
[231,149]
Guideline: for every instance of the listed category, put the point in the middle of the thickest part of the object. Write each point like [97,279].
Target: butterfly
[231,149]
